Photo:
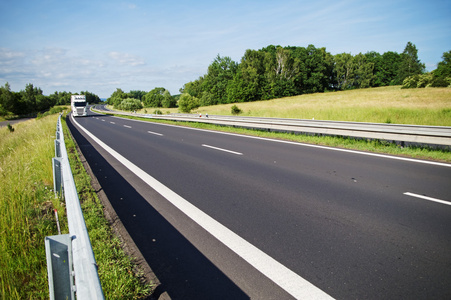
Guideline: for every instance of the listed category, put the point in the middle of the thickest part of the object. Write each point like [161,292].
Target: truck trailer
[79,105]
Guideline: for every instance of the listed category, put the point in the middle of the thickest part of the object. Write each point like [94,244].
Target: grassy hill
[428,106]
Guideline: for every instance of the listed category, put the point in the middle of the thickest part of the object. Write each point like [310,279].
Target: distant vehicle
[79,105]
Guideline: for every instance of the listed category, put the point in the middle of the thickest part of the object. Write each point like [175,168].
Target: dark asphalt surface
[340,220]
[13,122]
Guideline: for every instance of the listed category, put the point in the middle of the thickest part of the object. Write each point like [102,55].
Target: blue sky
[98,46]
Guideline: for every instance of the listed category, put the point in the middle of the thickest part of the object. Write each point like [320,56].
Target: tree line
[31,100]
[133,100]
[276,71]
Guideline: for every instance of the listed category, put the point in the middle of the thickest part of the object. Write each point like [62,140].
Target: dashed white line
[427,198]
[156,133]
[127,126]
[112,123]
[221,149]
[313,146]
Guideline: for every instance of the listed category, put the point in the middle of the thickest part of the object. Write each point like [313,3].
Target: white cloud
[127,59]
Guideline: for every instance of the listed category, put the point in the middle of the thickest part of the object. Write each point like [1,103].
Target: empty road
[224,216]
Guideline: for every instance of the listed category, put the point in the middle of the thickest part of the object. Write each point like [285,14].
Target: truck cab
[79,105]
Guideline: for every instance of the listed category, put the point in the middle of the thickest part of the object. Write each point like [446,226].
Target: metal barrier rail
[415,134]
[66,280]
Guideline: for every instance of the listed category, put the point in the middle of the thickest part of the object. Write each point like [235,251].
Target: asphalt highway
[223,216]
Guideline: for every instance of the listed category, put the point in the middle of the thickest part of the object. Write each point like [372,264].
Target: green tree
[194,88]
[249,81]
[130,104]
[280,71]
[168,101]
[137,94]
[187,102]
[344,71]
[91,98]
[154,98]
[220,73]
[116,97]
[28,101]
[410,64]
[386,69]
[363,71]
[61,98]
[6,100]
[319,70]
[444,67]
[442,75]
[207,99]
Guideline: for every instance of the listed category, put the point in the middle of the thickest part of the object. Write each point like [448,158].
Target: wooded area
[275,72]
[31,100]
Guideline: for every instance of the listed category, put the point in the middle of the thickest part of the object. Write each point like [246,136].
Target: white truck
[79,105]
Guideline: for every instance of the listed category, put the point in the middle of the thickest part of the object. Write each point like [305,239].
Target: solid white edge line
[311,145]
[156,133]
[427,198]
[288,280]
[221,149]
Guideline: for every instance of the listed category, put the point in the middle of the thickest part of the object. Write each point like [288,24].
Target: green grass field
[431,106]
[427,106]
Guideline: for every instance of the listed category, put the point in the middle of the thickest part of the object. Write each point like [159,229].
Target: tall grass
[428,106]
[26,217]
[26,203]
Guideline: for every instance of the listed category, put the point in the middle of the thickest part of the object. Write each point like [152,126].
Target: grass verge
[26,207]
[26,217]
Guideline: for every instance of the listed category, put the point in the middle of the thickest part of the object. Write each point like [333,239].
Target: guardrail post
[58,250]
[57,179]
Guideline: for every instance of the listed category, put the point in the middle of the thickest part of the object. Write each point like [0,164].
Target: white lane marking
[156,133]
[127,126]
[310,145]
[427,198]
[112,123]
[291,282]
[103,120]
[221,149]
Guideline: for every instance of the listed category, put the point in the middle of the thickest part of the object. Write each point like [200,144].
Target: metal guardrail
[71,266]
[414,134]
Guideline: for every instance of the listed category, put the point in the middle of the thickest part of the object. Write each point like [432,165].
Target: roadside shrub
[10,128]
[187,102]
[236,110]
[53,110]
[130,104]
[441,82]
[425,80]
[410,82]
